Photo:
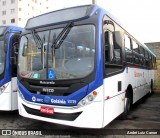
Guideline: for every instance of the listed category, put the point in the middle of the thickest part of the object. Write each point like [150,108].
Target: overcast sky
[141,18]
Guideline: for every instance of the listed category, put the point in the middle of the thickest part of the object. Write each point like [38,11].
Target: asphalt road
[145,114]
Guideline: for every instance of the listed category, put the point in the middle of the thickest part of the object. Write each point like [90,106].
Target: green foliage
[157,84]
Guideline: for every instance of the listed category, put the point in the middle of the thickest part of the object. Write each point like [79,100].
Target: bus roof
[63,15]
[71,14]
[4,29]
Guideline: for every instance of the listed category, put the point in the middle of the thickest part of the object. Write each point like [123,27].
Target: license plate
[46,110]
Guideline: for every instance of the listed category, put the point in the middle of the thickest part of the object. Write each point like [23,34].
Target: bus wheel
[127,106]
[151,88]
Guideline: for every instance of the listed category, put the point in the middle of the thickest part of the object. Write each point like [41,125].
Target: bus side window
[135,49]
[128,49]
[117,56]
[141,49]
[146,59]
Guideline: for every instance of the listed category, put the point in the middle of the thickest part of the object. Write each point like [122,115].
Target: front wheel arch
[128,101]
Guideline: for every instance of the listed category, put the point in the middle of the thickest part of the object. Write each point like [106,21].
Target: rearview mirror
[118,39]
[25,49]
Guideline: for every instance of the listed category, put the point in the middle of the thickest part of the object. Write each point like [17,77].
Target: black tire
[151,89]
[151,86]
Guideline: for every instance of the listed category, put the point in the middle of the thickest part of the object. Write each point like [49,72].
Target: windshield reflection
[74,58]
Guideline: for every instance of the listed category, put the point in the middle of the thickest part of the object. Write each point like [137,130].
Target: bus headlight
[3,88]
[88,99]
[83,102]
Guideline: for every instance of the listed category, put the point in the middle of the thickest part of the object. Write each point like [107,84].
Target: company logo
[47,82]
[47,99]
[33,99]
[137,74]
[39,100]
[58,101]
[47,90]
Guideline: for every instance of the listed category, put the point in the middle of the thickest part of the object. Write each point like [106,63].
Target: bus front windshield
[2,57]
[41,58]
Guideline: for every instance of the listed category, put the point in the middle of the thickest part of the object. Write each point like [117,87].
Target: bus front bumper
[89,116]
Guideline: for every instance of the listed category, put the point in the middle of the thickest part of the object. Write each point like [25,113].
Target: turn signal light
[94,93]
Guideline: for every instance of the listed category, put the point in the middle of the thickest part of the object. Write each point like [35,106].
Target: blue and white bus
[9,44]
[79,67]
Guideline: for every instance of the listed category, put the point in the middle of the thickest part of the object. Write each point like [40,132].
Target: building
[17,12]
[155,47]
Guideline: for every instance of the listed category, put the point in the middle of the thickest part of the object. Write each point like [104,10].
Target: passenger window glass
[128,49]
[146,54]
[117,56]
[141,51]
[127,42]
[135,47]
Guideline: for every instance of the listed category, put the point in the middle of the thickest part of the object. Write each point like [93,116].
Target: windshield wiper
[43,51]
[62,35]
[37,39]
[60,38]
[53,50]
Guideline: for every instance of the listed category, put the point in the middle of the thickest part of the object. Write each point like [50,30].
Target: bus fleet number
[72,101]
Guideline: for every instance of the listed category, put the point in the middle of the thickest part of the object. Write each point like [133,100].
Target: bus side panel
[139,87]
[113,108]
[140,80]
[5,98]
[147,78]
[143,83]
[14,99]
[114,98]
